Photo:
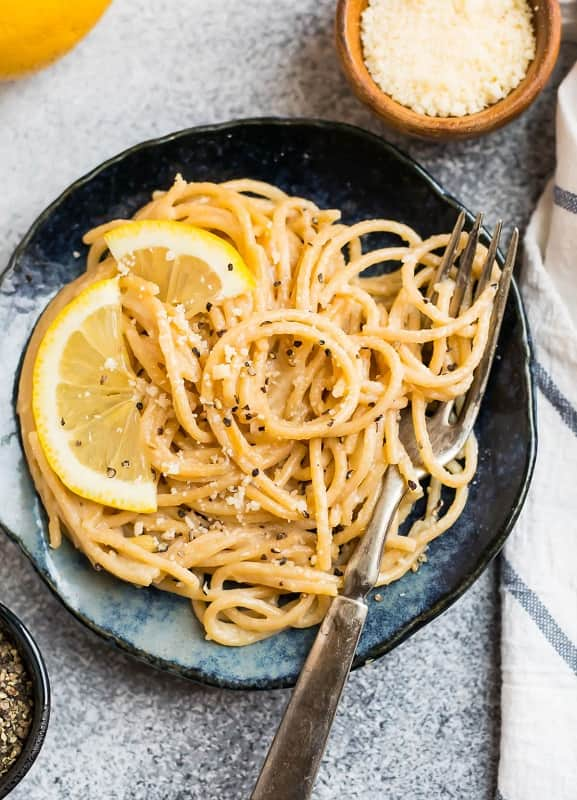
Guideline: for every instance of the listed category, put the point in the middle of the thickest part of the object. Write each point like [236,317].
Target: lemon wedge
[189,265]
[85,403]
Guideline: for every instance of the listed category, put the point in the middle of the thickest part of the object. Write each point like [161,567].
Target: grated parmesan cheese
[221,372]
[229,353]
[447,58]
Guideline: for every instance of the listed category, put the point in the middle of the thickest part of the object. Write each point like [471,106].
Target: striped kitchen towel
[539,567]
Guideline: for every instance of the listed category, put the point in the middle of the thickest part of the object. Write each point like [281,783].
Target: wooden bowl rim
[408,121]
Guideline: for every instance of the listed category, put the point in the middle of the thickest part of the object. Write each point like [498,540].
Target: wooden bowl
[547,22]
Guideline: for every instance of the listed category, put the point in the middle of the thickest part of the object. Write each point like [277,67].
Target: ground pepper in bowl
[16,703]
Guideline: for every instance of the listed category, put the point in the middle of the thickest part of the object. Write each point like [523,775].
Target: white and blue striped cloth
[539,568]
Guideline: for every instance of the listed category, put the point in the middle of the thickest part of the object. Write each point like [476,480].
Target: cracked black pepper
[16,704]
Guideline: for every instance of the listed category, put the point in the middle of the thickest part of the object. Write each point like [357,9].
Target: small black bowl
[34,664]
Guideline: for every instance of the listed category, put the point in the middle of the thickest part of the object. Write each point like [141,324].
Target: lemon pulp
[189,265]
[86,406]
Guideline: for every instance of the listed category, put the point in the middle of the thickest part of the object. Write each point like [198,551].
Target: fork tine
[448,255]
[477,388]
[448,439]
[502,293]
[465,266]
[490,260]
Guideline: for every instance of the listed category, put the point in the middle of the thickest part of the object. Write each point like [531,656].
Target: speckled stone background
[421,724]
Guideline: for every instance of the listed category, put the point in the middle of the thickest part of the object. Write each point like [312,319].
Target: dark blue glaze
[340,167]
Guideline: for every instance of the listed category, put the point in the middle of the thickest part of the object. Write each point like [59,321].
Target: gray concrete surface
[422,723]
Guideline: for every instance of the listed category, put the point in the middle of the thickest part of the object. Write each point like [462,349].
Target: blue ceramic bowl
[339,167]
[36,668]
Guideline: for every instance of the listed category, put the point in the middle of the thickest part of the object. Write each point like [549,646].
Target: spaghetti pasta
[271,418]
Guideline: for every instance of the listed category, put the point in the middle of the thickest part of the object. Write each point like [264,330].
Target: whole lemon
[33,33]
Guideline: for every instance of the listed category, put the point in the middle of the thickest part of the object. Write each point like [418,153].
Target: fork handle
[295,755]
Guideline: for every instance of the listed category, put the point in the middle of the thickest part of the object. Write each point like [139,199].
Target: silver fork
[295,755]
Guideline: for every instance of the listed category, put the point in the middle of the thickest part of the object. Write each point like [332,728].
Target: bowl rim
[38,673]
[408,121]
[197,674]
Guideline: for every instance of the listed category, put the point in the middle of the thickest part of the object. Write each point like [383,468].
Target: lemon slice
[189,265]
[86,406]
